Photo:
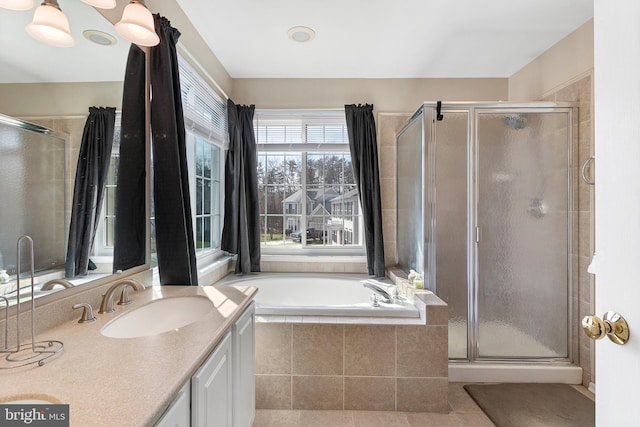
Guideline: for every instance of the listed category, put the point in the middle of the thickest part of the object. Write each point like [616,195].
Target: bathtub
[319,344]
[300,294]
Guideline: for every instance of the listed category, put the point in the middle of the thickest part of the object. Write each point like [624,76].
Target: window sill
[315,257]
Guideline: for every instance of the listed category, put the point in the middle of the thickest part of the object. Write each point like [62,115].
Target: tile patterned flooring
[464,413]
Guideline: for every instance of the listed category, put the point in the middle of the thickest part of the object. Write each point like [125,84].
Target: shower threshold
[535,372]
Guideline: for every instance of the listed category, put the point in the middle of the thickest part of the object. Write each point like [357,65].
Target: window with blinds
[205,116]
[308,196]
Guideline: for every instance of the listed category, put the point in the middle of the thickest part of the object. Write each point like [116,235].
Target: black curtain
[241,231]
[88,191]
[130,235]
[361,129]
[174,228]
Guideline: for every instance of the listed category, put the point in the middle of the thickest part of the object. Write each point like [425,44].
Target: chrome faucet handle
[87,312]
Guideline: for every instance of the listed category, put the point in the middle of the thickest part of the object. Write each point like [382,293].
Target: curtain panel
[241,231]
[172,208]
[361,130]
[88,191]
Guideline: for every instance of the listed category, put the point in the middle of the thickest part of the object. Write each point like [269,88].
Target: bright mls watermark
[49,415]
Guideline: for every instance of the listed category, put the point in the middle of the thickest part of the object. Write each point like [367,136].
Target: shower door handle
[612,324]
[583,171]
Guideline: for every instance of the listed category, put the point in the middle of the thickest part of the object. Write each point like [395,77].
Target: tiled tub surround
[304,364]
[125,382]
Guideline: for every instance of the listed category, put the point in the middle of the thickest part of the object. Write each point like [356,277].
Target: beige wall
[58,99]
[568,60]
[390,95]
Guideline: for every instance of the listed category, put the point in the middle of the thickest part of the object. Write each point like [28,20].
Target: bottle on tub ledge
[418,282]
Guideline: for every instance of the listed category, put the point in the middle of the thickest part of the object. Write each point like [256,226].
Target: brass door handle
[612,324]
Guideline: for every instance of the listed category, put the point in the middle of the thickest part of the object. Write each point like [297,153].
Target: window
[207,195]
[308,196]
[106,230]
[206,131]
[205,118]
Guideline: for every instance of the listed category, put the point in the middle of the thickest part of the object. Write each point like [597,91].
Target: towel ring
[585,166]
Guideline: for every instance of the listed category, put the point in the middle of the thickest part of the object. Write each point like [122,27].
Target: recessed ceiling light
[99,37]
[301,34]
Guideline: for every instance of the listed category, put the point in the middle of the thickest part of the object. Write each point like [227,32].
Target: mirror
[54,88]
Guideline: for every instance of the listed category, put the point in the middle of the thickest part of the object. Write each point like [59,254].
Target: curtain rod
[196,64]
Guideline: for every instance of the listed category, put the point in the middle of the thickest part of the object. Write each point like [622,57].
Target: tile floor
[464,413]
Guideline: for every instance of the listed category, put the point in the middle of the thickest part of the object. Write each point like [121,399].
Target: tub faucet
[51,283]
[386,298]
[107,300]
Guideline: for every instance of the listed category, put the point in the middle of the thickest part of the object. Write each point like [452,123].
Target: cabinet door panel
[211,388]
[244,369]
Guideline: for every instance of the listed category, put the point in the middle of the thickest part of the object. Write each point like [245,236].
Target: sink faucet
[51,283]
[107,300]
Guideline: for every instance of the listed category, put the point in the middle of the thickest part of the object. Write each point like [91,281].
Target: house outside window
[305,179]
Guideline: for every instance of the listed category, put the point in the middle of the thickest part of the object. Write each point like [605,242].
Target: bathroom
[562,73]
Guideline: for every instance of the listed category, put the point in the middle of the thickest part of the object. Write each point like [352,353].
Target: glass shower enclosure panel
[523,208]
[415,197]
[451,152]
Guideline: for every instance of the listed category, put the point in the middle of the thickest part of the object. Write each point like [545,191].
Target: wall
[394,101]
[57,99]
[565,73]
[388,95]
[569,58]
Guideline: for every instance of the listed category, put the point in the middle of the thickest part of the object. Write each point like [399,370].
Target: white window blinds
[205,112]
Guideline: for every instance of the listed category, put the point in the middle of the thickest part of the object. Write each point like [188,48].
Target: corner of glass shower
[486,203]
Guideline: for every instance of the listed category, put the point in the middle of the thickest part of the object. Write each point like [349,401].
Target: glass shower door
[523,202]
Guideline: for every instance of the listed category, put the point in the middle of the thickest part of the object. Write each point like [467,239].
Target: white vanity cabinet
[222,391]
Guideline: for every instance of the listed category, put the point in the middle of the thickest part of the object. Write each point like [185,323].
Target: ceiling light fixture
[137,24]
[51,26]
[17,4]
[301,34]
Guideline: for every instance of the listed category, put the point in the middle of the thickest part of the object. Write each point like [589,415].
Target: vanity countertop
[125,381]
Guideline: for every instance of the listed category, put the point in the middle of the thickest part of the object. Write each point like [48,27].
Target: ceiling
[383,39]
[354,38]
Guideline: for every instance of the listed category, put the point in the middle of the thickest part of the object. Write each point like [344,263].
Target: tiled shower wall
[580,91]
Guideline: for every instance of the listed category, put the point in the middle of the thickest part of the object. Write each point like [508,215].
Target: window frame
[303,148]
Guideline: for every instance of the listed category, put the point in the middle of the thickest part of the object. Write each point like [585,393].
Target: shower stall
[485,209]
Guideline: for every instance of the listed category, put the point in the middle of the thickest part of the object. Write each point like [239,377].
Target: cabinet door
[179,413]
[211,389]
[244,384]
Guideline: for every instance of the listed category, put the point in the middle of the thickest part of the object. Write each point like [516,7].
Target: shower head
[515,121]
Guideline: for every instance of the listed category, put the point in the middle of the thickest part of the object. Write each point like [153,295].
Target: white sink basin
[158,316]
